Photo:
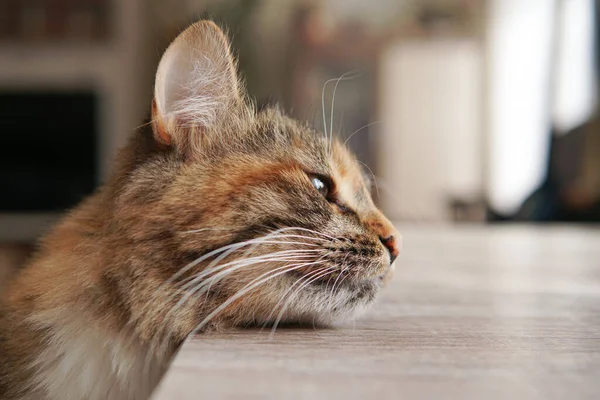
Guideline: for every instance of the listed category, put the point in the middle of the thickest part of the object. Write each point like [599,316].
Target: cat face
[269,220]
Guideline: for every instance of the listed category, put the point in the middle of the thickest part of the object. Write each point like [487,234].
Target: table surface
[473,313]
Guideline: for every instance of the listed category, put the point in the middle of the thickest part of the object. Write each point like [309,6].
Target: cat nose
[392,243]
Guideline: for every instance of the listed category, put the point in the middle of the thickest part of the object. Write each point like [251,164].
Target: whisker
[268,235]
[341,124]
[222,256]
[344,277]
[196,286]
[223,274]
[253,284]
[220,275]
[283,297]
[311,231]
[358,130]
[290,236]
[208,229]
[286,268]
[373,175]
[311,279]
[261,258]
[284,255]
[144,125]
[343,77]
[324,117]
[222,249]
[289,289]
[329,135]
[341,274]
[233,247]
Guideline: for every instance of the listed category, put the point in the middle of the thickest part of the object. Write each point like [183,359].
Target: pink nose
[392,244]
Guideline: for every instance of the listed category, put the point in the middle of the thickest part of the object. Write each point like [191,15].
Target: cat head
[260,217]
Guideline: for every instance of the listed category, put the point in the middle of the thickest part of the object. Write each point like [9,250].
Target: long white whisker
[225,248]
[231,247]
[360,129]
[341,125]
[261,258]
[228,249]
[285,294]
[208,229]
[373,175]
[270,238]
[311,279]
[292,258]
[329,135]
[315,232]
[200,289]
[197,286]
[227,268]
[333,103]
[324,117]
[286,255]
[279,236]
[299,280]
[292,228]
[253,284]
[344,269]
[344,277]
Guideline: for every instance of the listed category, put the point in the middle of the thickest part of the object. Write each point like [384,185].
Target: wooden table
[504,312]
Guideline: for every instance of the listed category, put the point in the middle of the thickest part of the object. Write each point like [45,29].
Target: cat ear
[196,86]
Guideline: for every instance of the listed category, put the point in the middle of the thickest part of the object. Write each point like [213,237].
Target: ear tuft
[196,85]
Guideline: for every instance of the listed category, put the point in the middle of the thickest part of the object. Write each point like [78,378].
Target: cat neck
[66,323]
[81,361]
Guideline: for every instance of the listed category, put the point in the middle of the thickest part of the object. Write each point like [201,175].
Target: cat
[215,216]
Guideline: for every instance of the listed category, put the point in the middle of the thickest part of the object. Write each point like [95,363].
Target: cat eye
[324,185]
[320,185]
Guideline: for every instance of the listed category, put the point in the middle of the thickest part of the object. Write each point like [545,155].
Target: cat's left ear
[196,87]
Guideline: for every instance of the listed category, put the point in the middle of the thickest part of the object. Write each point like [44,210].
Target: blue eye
[320,186]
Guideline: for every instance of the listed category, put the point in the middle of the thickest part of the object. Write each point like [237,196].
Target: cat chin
[322,305]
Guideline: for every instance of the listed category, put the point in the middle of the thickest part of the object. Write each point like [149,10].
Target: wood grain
[473,312]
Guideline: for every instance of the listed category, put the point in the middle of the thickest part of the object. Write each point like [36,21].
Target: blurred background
[463,110]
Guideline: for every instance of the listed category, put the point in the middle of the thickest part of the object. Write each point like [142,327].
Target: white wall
[430,139]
